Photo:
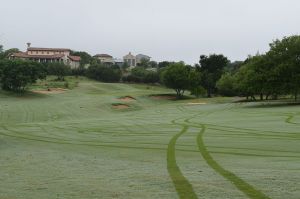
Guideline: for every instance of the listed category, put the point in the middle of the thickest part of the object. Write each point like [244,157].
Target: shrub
[58,69]
[16,75]
[104,73]
[141,75]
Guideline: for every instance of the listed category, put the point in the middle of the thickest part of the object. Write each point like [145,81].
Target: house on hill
[46,55]
[130,59]
[105,58]
[141,57]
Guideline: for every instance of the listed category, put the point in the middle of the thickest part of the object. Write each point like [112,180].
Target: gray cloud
[163,29]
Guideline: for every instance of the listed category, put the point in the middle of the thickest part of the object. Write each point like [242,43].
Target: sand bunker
[50,91]
[120,106]
[127,99]
[196,103]
[163,97]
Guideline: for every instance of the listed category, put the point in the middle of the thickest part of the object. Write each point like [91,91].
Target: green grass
[75,145]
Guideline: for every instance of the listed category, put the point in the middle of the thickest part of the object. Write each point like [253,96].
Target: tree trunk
[261,96]
[182,93]
[296,95]
[179,93]
[267,97]
[209,92]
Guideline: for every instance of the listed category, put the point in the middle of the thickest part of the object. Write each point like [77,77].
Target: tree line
[267,76]
[264,76]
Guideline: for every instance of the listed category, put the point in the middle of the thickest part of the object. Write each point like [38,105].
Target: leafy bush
[141,75]
[226,85]
[58,69]
[104,73]
[16,75]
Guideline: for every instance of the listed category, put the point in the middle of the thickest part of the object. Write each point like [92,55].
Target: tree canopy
[177,77]
[277,72]
[16,75]
[58,69]
[211,68]
[104,73]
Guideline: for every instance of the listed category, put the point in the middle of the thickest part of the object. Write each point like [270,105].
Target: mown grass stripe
[243,186]
[182,185]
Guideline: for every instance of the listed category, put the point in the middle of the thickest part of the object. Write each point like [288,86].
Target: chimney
[28,45]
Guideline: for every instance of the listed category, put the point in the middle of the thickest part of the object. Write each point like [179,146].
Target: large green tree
[211,68]
[16,75]
[226,85]
[195,82]
[285,55]
[177,77]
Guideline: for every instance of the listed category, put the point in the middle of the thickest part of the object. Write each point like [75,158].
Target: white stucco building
[45,55]
[105,58]
[130,59]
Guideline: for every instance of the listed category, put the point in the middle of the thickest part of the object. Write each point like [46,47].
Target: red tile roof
[48,49]
[74,58]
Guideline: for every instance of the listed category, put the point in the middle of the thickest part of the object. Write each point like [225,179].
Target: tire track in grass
[290,118]
[243,186]
[182,185]
[51,140]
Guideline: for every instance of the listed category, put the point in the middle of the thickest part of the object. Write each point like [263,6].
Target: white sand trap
[196,103]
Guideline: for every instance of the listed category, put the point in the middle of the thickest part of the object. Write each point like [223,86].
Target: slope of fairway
[75,144]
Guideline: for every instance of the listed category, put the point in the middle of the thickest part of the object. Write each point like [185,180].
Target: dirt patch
[127,99]
[51,91]
[196,103]
[120,106]
[163,97]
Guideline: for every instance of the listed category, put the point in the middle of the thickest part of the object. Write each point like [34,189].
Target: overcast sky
[163,29]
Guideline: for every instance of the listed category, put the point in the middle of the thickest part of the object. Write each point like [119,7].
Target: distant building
[130,60]
[105,58]
[140,57]
[118,62]
[48,55]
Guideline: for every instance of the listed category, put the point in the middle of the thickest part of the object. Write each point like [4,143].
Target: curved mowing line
[104,144]
[243,186]
[289,119]
[182,185]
